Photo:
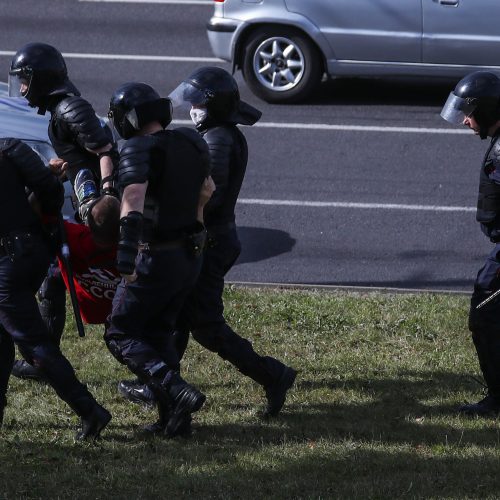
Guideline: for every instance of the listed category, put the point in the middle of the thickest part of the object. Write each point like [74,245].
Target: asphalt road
[324,202]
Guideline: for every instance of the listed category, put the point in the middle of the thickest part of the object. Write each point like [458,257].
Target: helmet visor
[19,85]
[456,109]
[113,124]
[187,95]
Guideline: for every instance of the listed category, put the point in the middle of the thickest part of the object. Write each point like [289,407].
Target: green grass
[372,414]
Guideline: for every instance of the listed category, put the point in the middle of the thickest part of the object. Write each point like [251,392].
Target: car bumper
[222,35]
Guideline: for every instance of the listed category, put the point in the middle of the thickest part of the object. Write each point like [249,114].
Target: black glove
[130,234]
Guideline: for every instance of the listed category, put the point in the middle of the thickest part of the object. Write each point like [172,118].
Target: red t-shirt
[94,273]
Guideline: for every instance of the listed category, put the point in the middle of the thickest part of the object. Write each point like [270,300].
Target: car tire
[281,67]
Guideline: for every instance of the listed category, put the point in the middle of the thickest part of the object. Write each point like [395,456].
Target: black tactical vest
[15,211]
[488,203]
[228,161]
[179,164]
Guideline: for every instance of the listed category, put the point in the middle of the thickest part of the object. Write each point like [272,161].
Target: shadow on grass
[388,439]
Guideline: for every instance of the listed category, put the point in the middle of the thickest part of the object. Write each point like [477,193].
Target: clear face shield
[456,109]
[186,96]
[111,124]
[116,127]
[18,84]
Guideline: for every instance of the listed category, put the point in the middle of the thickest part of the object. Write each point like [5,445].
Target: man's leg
[206,309]
[52,306]
[7,353]
[20,316]
[151,304]
[485,328]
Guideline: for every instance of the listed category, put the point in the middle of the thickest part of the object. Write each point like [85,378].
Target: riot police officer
[160,176]
[38,72]
[216,110]
[475,103]
[24,258]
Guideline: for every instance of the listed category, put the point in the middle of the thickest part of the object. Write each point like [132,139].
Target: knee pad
[42,355]
[114,348]
[53,284]
[52,303]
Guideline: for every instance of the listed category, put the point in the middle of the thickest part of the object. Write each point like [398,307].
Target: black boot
[137,392]
[94,418]
[160,426]
[276,393]
[177,400]
[22,369]
[487,344]
[489,405]
[3,404]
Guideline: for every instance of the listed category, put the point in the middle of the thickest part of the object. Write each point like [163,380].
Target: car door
[461,32]
[367,30]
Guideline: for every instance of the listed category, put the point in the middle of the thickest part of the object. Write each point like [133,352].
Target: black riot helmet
[41,68]
[216,90]
[477,95]
[134,104]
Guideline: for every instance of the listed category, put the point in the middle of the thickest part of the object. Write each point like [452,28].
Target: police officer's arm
[36,176]
[80,118]
[133,174]
[220,143]
[206,192]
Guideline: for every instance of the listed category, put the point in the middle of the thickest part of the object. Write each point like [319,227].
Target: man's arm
[85,126]
[106,165]
[206,191]
[133,174]
[131,222]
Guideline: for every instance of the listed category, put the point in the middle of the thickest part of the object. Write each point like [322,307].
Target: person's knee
[219,338]
[41,355]
[115,348]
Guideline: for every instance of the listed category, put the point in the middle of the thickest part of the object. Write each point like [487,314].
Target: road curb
[344,288]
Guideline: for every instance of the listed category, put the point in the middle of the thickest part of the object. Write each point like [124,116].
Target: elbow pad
[130,234]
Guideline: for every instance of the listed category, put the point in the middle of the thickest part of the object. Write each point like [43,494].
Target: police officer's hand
[58,166]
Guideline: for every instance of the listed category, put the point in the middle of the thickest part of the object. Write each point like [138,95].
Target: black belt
[165,245]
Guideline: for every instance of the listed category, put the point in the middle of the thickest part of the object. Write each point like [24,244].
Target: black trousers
[144,313]
[484,323]
[22,324]
[203,314]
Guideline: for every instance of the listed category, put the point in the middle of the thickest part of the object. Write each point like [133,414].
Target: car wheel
[279,67]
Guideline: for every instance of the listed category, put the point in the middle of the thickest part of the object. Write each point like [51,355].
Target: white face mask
[198,115]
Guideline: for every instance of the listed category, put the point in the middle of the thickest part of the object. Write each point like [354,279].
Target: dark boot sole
[189,402]
[97,428]
[287,380]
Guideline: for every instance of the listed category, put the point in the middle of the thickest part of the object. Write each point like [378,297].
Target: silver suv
[284,47]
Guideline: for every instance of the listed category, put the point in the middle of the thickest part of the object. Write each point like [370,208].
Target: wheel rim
[278,64]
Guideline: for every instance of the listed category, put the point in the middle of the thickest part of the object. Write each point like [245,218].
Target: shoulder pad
[222,136]
[19,152]
[7,142]
[194,137]
[135,160]
[81,119]
[494,154]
